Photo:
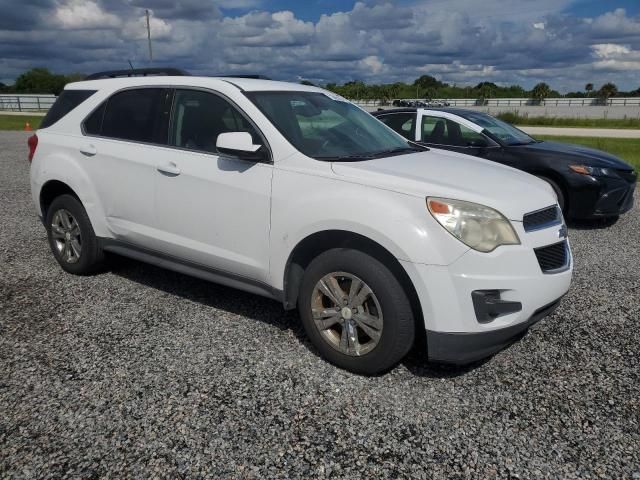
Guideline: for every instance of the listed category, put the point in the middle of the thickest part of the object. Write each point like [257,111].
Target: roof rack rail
[137,72]
[258,77]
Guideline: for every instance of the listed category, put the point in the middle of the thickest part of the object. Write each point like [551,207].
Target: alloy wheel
[347,313]
[66,235]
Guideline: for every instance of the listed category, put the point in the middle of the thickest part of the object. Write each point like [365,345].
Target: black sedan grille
[541,218]
[553,257]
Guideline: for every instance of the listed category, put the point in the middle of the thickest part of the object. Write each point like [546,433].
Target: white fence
[33,102]
[521,102]
[26,102]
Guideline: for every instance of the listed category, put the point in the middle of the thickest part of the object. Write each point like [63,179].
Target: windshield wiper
[343,158]
[394,151]
[370,156]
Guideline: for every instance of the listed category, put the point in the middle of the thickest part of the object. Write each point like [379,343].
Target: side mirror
[239,144]
[478,143]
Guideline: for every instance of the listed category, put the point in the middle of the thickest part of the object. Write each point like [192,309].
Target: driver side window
[199,117]
[442,131]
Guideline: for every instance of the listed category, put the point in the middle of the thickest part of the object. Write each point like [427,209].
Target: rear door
[122,137]
[212,210]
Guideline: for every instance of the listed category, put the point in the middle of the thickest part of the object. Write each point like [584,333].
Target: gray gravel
[139,372]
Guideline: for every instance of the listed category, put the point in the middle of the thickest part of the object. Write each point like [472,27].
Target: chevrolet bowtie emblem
[562,233]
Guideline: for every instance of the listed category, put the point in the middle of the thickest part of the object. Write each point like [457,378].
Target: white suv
[292,192]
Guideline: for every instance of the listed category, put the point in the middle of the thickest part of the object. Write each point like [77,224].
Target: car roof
[244,84]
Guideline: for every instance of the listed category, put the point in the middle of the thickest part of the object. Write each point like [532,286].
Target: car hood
[590,156]
[441,173]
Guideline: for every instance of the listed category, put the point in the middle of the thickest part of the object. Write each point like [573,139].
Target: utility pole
[149,36]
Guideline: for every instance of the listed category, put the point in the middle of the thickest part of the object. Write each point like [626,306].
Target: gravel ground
[141,372]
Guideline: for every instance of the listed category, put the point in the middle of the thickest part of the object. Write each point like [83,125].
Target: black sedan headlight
[592,171]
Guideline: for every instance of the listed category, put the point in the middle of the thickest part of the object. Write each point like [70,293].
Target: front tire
[71,236]
[355,311]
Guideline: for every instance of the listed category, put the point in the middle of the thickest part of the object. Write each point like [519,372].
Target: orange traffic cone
[27,127]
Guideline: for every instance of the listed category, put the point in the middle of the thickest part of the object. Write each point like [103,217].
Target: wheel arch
[50,191]
[560,181]
[316,243]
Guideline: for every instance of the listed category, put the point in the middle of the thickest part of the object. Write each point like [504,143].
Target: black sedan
[588,183]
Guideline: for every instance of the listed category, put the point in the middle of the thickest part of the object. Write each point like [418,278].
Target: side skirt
[192,269]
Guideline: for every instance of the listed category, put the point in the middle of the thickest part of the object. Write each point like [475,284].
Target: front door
[212,210]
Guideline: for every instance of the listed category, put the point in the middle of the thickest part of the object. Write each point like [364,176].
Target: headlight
[479,227]
[586,170]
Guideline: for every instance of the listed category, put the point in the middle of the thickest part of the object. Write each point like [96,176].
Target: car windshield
[329,128]
[507,134]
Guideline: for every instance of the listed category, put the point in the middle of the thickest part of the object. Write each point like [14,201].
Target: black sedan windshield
[507,134]
[328,128]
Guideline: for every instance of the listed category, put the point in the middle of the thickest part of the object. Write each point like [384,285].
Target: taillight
[33,143]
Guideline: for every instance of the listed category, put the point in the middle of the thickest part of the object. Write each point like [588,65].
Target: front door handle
[170,169]
[88,150]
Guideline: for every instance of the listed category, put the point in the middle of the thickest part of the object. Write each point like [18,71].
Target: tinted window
[441,131]
[199,117]
[93,124]
[139,115]
[403,123]
[66,101]
[434,130]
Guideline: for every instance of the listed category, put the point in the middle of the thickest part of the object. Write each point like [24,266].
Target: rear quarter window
[66,101]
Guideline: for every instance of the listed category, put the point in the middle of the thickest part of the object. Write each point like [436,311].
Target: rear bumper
[462,348]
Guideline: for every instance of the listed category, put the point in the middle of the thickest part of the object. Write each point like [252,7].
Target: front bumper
[456,331]
[464,348]
[598,197]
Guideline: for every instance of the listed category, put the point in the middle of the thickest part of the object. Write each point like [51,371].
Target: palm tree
[589,88]
[541,91]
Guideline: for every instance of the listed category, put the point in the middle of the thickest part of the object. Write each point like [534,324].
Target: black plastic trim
[488,305]
[193,269]
[138,72]
[463,348]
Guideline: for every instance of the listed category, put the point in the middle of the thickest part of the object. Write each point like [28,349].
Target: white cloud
[79,14]
[616,57]
[136,29]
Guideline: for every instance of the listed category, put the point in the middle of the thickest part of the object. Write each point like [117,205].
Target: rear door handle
[88,150]
[170,169]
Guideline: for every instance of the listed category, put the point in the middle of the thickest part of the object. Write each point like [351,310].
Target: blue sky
[565,43]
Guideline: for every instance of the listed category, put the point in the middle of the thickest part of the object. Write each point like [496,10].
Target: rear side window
[139,115]
[403,123]
[66,101]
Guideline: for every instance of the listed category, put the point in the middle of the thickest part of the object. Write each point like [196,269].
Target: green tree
[588,88]
[485,90]
[40,80]
[540,92]
[427,81]
[607,91]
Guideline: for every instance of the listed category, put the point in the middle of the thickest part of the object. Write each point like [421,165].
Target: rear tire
[371,328]
[71,236]
[559,193]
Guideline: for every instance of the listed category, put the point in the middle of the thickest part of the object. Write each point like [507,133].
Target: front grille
[541,218]
[552,257]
